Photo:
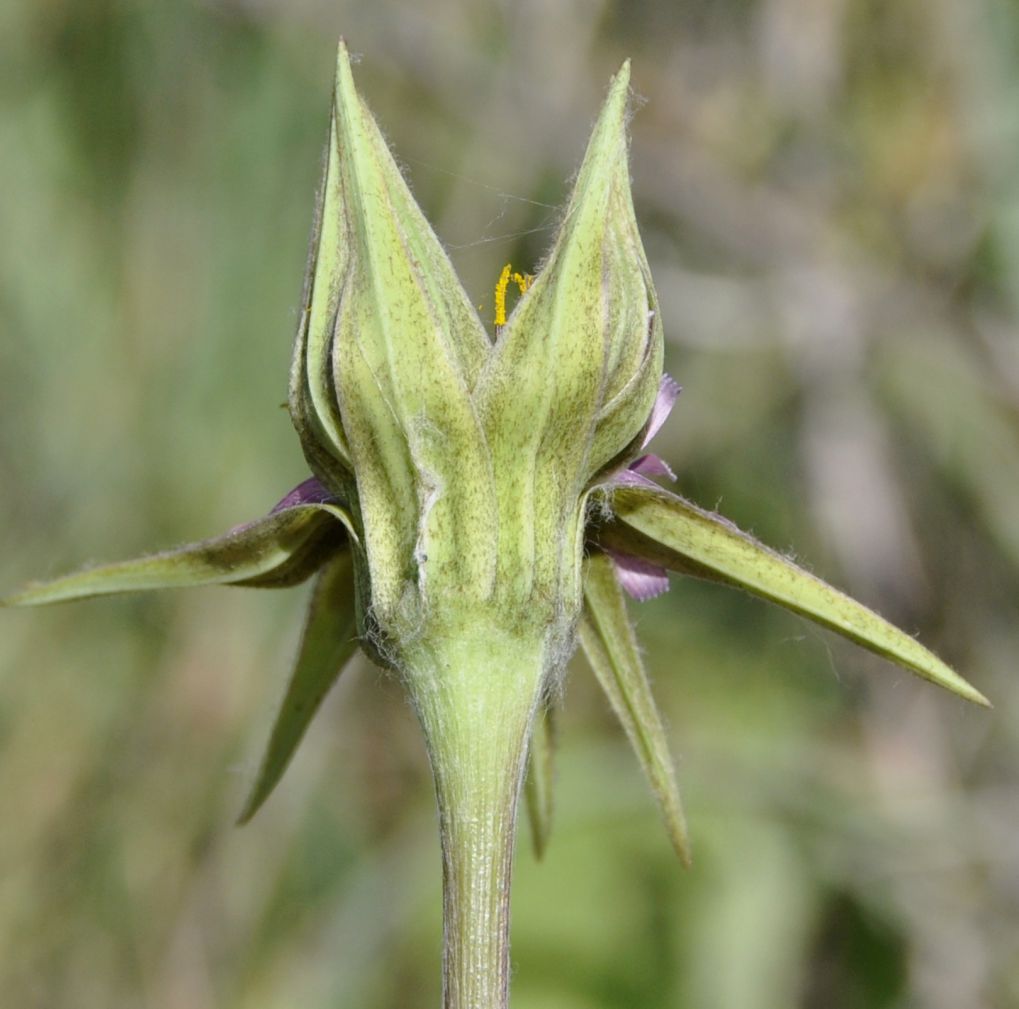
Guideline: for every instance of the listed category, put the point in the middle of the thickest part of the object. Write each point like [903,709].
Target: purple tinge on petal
[640,579]
[311,491]
[629,478]
[651,465]
[637,472]
[668,390]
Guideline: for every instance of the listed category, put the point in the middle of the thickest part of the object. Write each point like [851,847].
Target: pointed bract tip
[619,88]
[972,694]
[27,596]
[683,851]
[252,804]
[608,138]
[945,676]
[344,76]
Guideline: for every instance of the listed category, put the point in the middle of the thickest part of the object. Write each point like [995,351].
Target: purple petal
[629,478]
[311,491]
[639,579]
[651,465]
[667,393]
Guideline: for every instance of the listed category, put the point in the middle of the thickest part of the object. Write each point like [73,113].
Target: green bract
[475,501]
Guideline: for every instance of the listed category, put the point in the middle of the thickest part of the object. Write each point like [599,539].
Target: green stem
[476,696]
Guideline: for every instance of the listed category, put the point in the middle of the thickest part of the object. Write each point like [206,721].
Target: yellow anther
[500,295]
[522,280]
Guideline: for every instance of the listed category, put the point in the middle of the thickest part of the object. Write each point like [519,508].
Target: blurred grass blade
[281,549]
[611,647]
[328,641]
[538,787]
[944,391]
[668,530]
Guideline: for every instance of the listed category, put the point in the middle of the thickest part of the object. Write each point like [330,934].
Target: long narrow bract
[607,638]
[328,641]
[661,527]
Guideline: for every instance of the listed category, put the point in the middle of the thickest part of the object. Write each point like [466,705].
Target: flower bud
[467,464]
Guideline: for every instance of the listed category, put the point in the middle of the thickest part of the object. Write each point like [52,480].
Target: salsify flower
[478,505]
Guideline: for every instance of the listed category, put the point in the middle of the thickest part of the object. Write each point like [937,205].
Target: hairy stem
[476,696]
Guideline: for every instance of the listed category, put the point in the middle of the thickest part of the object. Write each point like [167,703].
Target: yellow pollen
[522,280]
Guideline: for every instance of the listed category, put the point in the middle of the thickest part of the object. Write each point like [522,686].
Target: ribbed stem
[477,834]
[476,698]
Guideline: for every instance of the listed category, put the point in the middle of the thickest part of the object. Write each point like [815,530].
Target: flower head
[467,461]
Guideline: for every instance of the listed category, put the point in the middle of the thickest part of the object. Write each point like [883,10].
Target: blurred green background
[829,195]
